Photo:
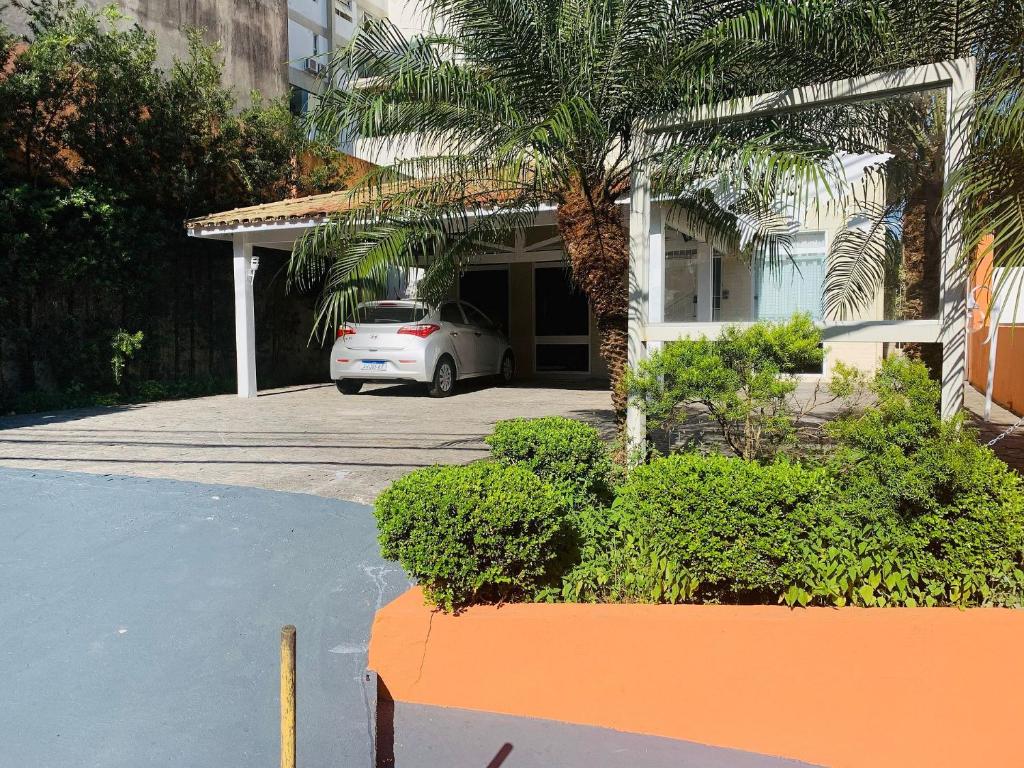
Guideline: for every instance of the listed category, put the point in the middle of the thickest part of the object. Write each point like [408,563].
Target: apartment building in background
[252,33]
[317,28]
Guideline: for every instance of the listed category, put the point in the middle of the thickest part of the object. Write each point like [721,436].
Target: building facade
[252,33]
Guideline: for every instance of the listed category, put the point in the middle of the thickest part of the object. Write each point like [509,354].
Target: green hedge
[904,510]
[724,527]
[477,533]
[568,455]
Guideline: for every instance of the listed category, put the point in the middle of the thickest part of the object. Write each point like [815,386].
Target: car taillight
[345,330]
[422,330]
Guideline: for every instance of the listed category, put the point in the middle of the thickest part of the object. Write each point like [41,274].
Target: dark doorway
[562,322]
[487,290]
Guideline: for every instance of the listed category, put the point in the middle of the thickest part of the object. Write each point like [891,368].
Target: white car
[411,341]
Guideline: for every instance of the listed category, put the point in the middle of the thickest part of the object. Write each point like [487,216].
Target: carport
[521,284]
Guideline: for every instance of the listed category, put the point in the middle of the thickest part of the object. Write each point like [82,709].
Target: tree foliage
[989,186]
[102,157]
[512,105]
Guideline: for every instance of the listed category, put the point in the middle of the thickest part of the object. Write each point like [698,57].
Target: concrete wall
[253,34]
[846,687]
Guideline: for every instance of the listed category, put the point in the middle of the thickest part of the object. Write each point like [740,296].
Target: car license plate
[374,365]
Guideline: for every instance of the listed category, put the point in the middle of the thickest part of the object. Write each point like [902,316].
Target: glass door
[561,322]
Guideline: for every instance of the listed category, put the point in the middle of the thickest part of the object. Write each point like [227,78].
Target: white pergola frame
[647,328]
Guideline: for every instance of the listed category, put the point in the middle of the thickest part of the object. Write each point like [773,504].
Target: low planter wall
[849,687]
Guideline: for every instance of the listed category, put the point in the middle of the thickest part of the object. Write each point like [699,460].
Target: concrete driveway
[139,622]
[302,439]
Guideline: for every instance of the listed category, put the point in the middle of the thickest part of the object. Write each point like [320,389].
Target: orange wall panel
[891,687]
[1008,386]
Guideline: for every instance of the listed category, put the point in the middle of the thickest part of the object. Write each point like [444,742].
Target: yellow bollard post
[288,697]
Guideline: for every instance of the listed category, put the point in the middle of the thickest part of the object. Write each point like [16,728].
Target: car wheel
[349,386]
[443,383]
[508,367]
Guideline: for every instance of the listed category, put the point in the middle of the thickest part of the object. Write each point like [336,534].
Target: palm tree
[516,104]
[905,233]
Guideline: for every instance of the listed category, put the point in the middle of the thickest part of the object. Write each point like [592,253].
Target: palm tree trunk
[922,266]
[597,246]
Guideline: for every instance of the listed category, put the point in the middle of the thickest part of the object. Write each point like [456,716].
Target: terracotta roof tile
[320,206]
[312,206]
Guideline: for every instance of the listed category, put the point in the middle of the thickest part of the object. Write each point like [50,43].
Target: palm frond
[860,258]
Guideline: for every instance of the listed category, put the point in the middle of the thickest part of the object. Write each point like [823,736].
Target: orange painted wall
[853,687]
[1008,386]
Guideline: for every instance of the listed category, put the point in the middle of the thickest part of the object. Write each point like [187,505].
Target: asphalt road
[139,622]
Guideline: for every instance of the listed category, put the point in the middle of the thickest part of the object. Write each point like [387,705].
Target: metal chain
[1005,433]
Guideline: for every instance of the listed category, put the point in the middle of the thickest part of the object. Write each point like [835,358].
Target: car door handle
[453,333]
[477,333]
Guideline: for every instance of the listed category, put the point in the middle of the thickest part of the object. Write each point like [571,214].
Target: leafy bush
[478,533]
[745,379]
[730,525]
[907,510]
[617,567]
[103,154]
[124,345]
[568,455]
[905,410]
[932,516]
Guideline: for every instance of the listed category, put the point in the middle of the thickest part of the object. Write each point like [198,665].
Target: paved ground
[303,439]
[1011,448]
[422,739]
[139,622]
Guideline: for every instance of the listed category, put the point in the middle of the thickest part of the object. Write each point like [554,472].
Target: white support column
[656,268]
[705,283]
[245,317]
[639,264]
[953,297]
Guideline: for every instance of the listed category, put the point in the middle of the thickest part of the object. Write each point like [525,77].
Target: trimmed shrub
[478,533]
[907,510]
[726,525]
[567,454]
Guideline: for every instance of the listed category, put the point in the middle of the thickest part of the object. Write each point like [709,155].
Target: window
[487,289]
[298,101]
[716,285]
[681,270]
[343,9]
[794,284]
[475,317]
[560,307]
[561,323]
[563,358]
[383,314]
[450,313]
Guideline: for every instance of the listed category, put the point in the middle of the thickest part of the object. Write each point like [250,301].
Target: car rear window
[379,314]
